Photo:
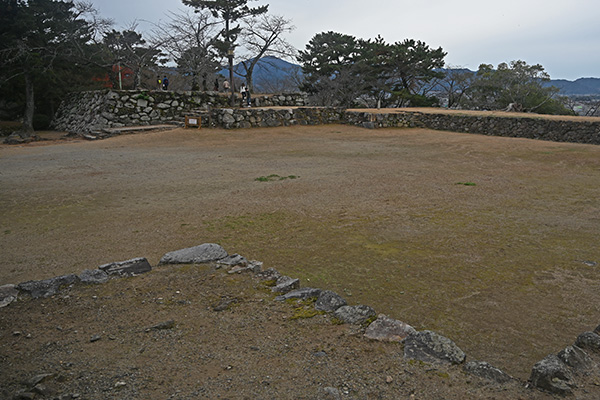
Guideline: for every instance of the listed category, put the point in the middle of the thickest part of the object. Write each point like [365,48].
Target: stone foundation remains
[99,113]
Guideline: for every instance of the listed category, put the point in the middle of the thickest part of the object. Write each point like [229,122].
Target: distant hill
[581,86]
[270,75]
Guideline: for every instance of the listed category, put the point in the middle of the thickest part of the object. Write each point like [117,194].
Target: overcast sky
[562,35]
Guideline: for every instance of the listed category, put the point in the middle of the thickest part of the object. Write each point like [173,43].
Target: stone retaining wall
[98,112]
[94,111]
[527,126]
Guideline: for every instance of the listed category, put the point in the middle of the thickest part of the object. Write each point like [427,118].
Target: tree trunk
[29,104]
[230,58]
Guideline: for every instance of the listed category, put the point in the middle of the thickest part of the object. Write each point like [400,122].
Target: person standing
[243,92]
[165,83]
[248,99]
[159,82]
[226,86]
[216,87]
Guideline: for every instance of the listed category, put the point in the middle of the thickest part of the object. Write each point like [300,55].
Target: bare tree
[263,36]
[455,84]
[188,39]
[129,49]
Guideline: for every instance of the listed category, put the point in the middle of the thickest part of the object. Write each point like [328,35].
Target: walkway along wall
[98,113]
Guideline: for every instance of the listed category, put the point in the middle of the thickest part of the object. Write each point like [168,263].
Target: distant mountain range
[270,75]
[273,74]
[578,87]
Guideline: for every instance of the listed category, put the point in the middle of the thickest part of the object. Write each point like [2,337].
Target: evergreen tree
[229,11]
[517,85]
[37,39]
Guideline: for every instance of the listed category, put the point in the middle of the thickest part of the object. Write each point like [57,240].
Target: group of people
[163,83]
[244,91]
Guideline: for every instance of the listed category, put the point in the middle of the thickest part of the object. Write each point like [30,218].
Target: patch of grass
[466,183]
[270,282]
[143,96]
[369,321]
[304,308]
[275,177]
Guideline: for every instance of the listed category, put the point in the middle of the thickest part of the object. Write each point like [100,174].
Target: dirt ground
[492,242]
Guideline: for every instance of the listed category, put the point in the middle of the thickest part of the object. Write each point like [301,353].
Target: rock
[368,125]
[93,276]
[268,275]
[20,138]
[24,396]
[428,346]
[285,284]
[42,390]
[228,119]
[203,253]
[576,358]
[95,338]
[303,294]
[224,304]
[354,314]
[486,371]
[252,266]
[37,379]
[46,287]
[170,324]
[386,329]
[233,260]
[255,266]
[589,341]
[552,375]
[331,393]
[132,267]
[8,294]
[329,301]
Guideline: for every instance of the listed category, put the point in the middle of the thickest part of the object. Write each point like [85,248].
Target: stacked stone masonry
[98,112]
[95,111]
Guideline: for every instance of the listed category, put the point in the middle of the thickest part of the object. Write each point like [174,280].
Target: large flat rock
[203,253]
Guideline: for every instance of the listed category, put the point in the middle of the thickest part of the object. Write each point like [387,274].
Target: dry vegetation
[489,241]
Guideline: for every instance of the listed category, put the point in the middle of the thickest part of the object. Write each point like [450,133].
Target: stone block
[8,294]
[203,253]
[486,371]
[132,267]
[430,347]
[552,375]
[285,284]
[93,276]
[329,301]
[46,287]
[387,329]
[301,294]
[354,314]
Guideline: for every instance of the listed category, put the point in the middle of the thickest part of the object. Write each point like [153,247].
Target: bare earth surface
[492,242]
